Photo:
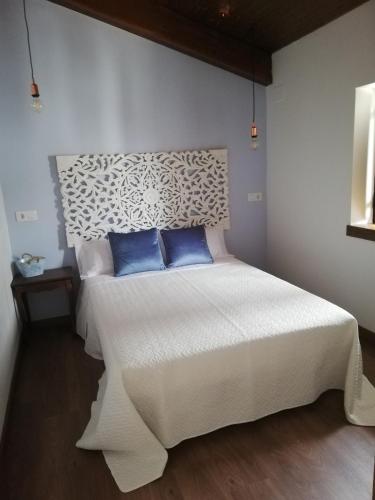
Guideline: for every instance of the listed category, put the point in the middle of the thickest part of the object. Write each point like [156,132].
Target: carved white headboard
[127,192]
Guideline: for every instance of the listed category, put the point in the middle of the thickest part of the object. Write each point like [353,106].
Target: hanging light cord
[253,100]
[251,34]
[28,41]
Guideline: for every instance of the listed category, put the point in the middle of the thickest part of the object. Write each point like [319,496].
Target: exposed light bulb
[254,136]
[36,103]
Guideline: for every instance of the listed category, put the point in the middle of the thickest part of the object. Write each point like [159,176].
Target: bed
[196,348]
[190,350]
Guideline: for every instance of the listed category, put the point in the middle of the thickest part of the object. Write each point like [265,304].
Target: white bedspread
[192,350]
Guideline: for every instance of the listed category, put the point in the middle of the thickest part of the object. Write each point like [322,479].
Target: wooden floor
[307,453]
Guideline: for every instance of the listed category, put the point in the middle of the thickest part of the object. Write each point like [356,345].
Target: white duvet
[191,350]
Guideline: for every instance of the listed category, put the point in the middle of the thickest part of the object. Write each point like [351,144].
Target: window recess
[362,217]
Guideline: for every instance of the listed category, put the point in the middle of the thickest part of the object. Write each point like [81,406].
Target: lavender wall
[106,90]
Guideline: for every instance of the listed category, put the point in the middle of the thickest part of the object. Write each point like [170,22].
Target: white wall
[8,319]
[106,90]
[310,120]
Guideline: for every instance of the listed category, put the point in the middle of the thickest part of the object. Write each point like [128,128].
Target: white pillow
[94,258]
[216,242]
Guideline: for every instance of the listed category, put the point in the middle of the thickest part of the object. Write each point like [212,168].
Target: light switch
[27,216]
[254,196]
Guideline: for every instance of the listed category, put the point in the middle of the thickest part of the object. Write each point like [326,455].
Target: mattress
[193,349]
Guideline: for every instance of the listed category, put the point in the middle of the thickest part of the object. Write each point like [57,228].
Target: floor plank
[302,454]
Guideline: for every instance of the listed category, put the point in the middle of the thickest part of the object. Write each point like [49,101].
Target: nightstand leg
[23,307]
[27,308]
[70,290]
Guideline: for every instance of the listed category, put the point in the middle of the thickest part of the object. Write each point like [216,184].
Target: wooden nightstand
[49,280]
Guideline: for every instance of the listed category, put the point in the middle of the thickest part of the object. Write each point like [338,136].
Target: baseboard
[366,335]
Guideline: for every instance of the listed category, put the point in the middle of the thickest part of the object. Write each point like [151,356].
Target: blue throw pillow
[136,252]
[184,247]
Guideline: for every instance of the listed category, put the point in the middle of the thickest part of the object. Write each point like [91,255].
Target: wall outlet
[255,197]
[26,216]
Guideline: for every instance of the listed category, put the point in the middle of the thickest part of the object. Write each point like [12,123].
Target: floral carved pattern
[130,192]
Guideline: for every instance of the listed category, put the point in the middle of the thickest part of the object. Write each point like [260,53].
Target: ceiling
[237,35]
[266,24]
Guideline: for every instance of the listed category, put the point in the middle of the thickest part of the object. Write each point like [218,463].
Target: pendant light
[254,130]
[224,10]
[36,102]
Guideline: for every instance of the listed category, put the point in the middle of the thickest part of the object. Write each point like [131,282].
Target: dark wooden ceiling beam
[162,25]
